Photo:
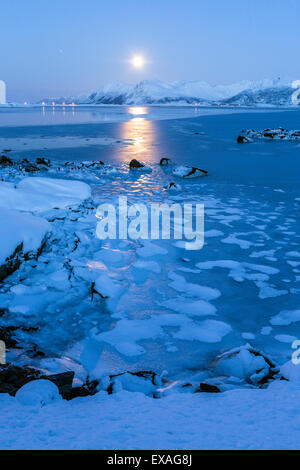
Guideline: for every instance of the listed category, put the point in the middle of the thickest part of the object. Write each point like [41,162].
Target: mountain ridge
[150,92]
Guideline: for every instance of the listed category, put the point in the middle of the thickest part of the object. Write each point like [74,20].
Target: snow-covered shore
[238,419]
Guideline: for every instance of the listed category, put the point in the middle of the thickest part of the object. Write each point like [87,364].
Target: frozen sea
[176,311]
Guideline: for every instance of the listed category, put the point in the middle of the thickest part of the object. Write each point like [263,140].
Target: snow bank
[36,194]
[20,229]
[237,419]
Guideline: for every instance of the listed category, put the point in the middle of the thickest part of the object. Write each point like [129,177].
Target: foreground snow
[238,419]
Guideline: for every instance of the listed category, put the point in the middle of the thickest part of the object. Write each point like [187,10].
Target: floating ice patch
[266,291]
[248,335]
[150,249]
[266,330]
[197,308]
[286,317]
[285,338]
[207,331]
[192,290]
[127,332]
[213,233]
[238,271]
[152,266]
[293,254]
[232,239]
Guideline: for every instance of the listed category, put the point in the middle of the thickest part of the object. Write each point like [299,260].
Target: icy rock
[173,186]
[22,237]
[43,161]
[12,378]
[208,388]
[145,382]
[5,161]
[272,134]
[135,164]
[87,389]
[38,393]
[248,364]
[189,171]
[242,139]
[164,161]
[63,381]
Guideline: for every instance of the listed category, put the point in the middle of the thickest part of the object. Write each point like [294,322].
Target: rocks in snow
[12,378]
[242,139]
[22,237]
[145,382]
[135,164]
[15,380]
[248,364]
[189,171]
[208,388]
[278,133]
[164,161]
[173,186]
[43,161]
[5,161]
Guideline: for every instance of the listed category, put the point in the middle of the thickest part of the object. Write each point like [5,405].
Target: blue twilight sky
[62,47]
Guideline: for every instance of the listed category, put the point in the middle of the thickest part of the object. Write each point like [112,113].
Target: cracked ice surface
[161,307]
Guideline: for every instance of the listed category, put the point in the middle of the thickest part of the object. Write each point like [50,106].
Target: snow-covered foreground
[238,419]
[225,316]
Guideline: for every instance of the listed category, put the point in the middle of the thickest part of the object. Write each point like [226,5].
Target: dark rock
[7,335]
[11,263]
[87,389]
[135,164]
[144,374]
[242,139]
[31,168]
[5,161]
[12,378]
[164,161]
[208,388]
[43,161]
[94,291]
[194,170]
[271,135]
[63,381]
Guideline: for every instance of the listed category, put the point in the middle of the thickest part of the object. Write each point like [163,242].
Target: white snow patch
[35,194]
[17,228]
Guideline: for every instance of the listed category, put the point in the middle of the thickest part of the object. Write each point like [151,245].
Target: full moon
[137,61]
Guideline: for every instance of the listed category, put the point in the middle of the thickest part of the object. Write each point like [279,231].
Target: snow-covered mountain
[276,96]
[246,93]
